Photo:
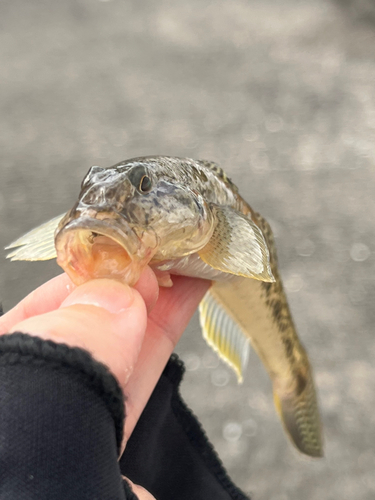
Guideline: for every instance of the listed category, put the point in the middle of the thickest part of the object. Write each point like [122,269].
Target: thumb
[142,493]
[105,317]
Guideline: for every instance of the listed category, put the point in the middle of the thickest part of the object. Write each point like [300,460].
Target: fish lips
[103,245]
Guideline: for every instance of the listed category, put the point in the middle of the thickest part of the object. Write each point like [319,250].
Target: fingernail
[111,295]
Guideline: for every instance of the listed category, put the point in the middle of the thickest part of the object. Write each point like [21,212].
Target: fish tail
[298,410]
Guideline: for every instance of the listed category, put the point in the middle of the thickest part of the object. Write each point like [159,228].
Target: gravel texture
[282,95]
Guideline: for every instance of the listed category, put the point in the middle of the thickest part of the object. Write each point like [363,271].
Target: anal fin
[223,334]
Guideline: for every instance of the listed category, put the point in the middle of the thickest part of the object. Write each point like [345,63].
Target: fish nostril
[95,169]
[95,197]
[92,176]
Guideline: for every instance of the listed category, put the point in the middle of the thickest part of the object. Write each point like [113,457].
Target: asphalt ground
[282,95]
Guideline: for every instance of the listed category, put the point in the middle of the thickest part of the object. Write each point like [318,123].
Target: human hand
[132,331]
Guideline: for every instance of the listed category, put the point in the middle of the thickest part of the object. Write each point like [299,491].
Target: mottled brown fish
[183,216]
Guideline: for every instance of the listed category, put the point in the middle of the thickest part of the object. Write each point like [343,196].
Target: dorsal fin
[219,172]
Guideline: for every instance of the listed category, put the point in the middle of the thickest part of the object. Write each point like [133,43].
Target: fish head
[128,215]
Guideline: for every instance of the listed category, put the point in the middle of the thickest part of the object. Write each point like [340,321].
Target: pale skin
[133,331]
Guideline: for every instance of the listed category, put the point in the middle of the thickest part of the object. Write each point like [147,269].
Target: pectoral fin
[237,246]
[37,244]
[223,334]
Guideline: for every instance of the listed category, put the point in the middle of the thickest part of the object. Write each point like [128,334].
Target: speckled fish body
[184,216]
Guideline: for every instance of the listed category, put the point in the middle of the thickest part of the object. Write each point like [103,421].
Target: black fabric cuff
[169,453]
[21,348]
[61,423]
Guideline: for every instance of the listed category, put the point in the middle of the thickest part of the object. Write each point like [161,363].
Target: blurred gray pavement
[282,95]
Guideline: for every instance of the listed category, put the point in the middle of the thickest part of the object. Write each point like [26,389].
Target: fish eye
[140,179]
[145,185]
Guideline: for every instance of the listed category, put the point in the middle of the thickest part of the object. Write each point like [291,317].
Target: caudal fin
[300,415]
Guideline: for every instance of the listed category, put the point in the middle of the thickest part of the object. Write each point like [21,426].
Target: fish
[186,217]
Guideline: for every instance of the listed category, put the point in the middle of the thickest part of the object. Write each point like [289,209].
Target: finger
[105,317]
[141,493]
[43,299]
[167,321]
[50,295]
[177,304]
[148,287]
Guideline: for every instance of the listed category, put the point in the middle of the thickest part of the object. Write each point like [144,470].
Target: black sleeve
[61,423]
[169,453]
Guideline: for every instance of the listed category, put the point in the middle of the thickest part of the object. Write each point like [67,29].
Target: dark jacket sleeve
[61,423]
[169,453]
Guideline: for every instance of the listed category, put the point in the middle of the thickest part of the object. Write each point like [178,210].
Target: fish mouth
[89,248]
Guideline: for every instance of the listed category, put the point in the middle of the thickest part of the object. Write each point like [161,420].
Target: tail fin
[299,413]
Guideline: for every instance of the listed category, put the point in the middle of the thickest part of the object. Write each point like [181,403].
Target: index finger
[166,324]
[52,294]
[43,299]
